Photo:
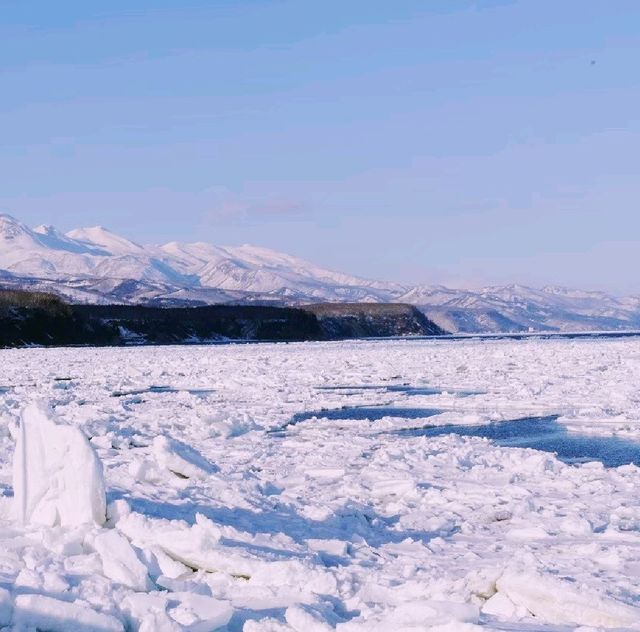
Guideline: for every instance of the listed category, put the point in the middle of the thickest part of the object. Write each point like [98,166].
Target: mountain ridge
[95,265]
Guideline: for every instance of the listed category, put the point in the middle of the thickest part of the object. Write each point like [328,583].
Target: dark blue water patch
[545,433]
[354,387]
[364,413]
[415,390]
[429,390]
[163,389]
[403,388]
[141,391]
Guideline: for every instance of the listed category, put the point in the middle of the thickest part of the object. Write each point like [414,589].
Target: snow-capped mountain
[95,265]
[520,308]
[96,261]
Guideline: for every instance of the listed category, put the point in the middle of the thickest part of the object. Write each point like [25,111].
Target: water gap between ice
[402,388]
[546,434]
[149,390]
[538,433]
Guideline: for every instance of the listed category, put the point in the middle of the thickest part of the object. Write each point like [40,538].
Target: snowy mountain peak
[46,229]
[6,219]
[101,260]
[11,228]
[104,238]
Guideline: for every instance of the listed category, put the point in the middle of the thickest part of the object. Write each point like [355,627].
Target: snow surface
[222,515]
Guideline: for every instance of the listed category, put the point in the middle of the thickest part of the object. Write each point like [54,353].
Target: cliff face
[366,320]
[179,325]
[32,319]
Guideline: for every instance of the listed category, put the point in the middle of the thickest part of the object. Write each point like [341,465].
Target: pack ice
[285,488]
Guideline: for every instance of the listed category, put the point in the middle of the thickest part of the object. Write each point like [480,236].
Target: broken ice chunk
[47,613]
[120,562]
[148,613]
[557,601]
[199,613]
[57,475]
[181,459]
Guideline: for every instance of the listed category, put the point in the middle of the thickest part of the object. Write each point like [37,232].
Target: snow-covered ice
[57,476]
[222,514]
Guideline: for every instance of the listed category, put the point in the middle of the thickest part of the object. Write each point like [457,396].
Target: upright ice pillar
[57,475]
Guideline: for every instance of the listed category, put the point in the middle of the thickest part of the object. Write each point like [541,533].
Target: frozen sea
[383,486]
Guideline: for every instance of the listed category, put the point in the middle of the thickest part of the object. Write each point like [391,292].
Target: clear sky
[421,141]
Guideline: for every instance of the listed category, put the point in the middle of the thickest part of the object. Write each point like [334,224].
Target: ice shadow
[352,521]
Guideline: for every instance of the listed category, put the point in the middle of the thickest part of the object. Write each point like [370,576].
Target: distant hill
[28,318]
[365,320]
[96,266]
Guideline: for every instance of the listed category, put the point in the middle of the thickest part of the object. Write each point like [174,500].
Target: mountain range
[94,265]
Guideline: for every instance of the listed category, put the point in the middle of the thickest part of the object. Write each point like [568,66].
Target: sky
[431,141]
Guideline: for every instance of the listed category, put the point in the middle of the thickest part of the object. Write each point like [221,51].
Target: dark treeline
[12,299]
[31,318]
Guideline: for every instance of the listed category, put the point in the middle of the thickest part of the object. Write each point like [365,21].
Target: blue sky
[422,141]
